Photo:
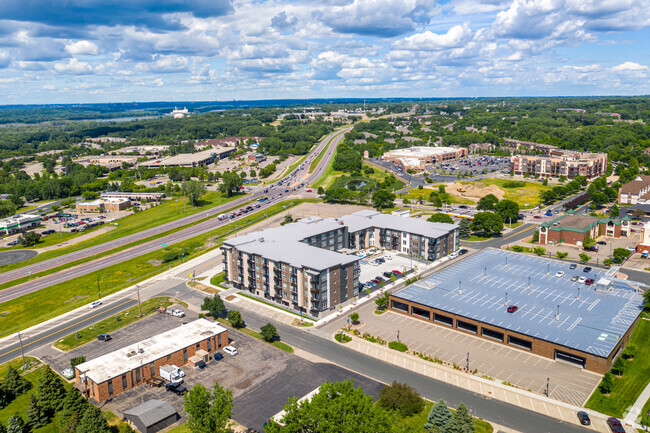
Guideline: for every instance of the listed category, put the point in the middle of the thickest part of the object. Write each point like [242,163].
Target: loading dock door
[572,359]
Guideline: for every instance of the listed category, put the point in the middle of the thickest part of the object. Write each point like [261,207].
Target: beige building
[567,163]
[104,205]
[635,191]
[415,158]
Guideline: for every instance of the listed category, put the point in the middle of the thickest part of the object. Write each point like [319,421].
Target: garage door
[572,359]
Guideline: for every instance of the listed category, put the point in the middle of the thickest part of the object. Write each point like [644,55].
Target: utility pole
[22,353]
[99,291]
[137,287]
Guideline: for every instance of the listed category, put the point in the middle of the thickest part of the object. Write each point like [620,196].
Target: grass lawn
[423,195]
[111,324]
[528,194]
[17,364]
[644,411]
[183,428]
[280,345]
[477,238]
[218,278]
[270,304]
[627,388]
[415,423]
[320,156]
[33,308]
[22,401]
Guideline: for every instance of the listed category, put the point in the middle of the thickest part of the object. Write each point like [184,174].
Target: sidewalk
[635,410]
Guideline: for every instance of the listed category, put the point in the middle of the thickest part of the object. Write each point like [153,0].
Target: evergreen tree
[36,416]
[14,383]
[461,421]
[73,405]
[464,229]
[439,416]
[16,424]
[50,391]
[5,396]
[3,429]
[92,421]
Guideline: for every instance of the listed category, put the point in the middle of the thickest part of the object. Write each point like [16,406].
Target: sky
[94,51]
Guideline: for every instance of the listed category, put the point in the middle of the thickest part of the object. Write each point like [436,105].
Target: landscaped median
[113,323]
[36,307]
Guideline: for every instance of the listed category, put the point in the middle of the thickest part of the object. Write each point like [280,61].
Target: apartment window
[124,381]
[169,357]
[137,375]
[284,267]
[257,268]
[110,386]
[185,354]
[209,345]
[152,370]
[218,341]
[198,346]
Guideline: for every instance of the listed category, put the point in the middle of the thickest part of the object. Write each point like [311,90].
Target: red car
[589,281]
[537,217]
[396,272]
[615,425]
[512,308]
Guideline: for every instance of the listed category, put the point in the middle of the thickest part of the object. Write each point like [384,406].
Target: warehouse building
[302,266]
[575,229]
[134,196]
[151,416]
[520,301]
[104,377]
[197,159]
[104,205]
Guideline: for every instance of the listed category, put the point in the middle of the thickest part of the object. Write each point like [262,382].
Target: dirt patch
[155,263]
[230,297]
[74,298]
[246,383]
[475,192]
[203,287]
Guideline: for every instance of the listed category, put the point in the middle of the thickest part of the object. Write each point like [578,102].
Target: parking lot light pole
[547,382]
[398,335]
[529,282]
[506,302]
[468,362]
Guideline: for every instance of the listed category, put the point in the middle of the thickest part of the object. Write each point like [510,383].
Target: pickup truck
[176,388]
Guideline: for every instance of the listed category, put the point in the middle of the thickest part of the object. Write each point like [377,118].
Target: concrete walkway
[635,410]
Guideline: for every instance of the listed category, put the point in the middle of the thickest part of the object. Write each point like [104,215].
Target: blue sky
[152,50]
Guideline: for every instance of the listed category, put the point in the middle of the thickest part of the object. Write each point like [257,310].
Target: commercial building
[256,157]
[574,229]
[567,163]
[151,416]
[644,242]
[299,265]
[197,159]
[19,223]
[113,162]
[104,205]
[134,196]
[635,191]
[415,158]
[555,317]
[126,368]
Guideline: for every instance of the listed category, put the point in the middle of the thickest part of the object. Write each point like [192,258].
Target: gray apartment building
[311,265]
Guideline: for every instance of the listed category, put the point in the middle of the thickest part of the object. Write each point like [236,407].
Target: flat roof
[593,324]
[187,158]
[131,357]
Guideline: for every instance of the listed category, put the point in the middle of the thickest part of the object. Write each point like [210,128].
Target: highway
[170,239]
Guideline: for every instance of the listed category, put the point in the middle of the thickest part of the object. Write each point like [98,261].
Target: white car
[68,373]
[178,313]
[230,350]
[582,280]
[453,255]
[95,304]
[388,257]
[559,274]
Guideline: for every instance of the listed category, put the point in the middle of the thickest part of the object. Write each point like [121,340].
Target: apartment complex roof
[636,185]
[130,357]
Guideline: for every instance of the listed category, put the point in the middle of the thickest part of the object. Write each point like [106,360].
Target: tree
[584,258]
[16,424]
[28,239]
[464,229]
[231,183]
[5,396]
[92,421]
[439,416]
[321,191]
[194,190]
[401,398]
[36,416]
[7,208]
[619,367]
[487,202]
[630,351]
[588,242]
[269,333]
[14,383]
[74,404]
[539,251]
[382,301]
[621,254]
[383,199]
[508,210]
[213,305]
[487,222]
[89,195]
[336,407]
[3,429]
[50,391]
[614,211]
[208,411]
[235,319]
[440,218]
[562,255]
[461,421]
[354,317]
[607,384]
[435,199]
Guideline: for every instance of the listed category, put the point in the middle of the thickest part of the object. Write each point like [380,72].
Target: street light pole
[22,353]
[137,287]
[99,291]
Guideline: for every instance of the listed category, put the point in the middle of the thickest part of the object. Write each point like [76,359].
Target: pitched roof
[151,411]
[636,185]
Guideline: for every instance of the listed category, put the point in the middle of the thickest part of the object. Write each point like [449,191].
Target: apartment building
[635,191]
[311,265]
[567,163]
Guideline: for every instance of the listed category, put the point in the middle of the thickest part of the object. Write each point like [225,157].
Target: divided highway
[181,235]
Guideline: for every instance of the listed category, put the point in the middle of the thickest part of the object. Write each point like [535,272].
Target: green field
[422,195]
[42,305]
[415,423]
[628,388]
[111,324]
[527,196]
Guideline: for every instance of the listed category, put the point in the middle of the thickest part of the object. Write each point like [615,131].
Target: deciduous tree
[235,319]
[382,199]
[268,332]
[487,202]
[440,218]
[193,190]
[401,398]
[208,411]
[487,222]
[214,305]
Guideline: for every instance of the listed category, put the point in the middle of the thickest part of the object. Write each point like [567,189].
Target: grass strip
[636,377]
[41,305]
[320,156]
[111,324]
[245,295]
[279,344]
[217,279]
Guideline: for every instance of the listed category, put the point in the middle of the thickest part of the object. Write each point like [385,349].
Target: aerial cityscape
[357,217]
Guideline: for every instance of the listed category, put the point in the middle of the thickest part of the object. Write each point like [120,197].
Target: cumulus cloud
[165,64]
[74,67]
[283,22]
[428,41]
[82,47]
[629,66]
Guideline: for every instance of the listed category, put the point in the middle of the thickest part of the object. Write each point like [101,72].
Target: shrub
[269,333]
[517,248]
[235,319]
[170,256]
[630,351]
[354,317]
[607,383]
[396,345]
[76,361]
[401,398]
[342,338]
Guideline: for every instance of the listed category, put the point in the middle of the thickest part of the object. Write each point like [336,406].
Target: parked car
[615,425]
[453,255]
[575,278]
[95,304]
[178,313]
[397,273]
[388,274]
[218,356]
[584,418]
[12,243]
[600,243]
[47,232]
[559,274]
[590,281]
[230,350]
[582,280]
[512,308]
[68,373]
[462,251]
[587,269]
[537,217]
[176,388]
[104,337]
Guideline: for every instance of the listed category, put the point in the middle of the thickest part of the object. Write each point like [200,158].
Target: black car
[380,260]
[176,388]
[587,269]
[584,418]
[218,356]
[615,425]
[462,251]
[104,337]
[388,274]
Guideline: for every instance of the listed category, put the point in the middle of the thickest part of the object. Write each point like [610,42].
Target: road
[519,233]
[170,239]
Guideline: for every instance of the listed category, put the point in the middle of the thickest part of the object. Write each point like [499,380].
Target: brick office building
[131,366]
[575,229]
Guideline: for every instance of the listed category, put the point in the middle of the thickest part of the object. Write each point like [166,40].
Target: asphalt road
[520,232]
[170,239]
[17,256]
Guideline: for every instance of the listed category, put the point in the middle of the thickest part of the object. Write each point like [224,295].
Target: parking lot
[261,377]
[473,165]
[395,263]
